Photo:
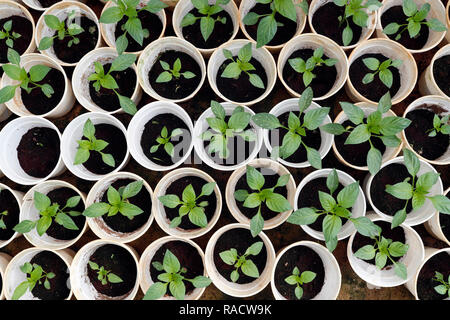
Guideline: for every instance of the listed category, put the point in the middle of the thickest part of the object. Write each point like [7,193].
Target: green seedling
[7,35]
[444,287]
[440,125]
[35,276]
[168,74]
[242,262]
[382,69]
[296,279]
[103,275]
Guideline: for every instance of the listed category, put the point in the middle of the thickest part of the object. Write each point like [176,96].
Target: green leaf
[401,190]
[217,109]
[198,217]
[114,197]
[436,25]
[170,262]
[298,290]
[20,290]
[114,278]
[384,104]
[81,156]
[366,227]
[331,226]
[66,221]
[239,121]
[127,104]
[7,93]
[129,210]
[134,28]
[441,203]
[229,256]
[250,269]
[400,270]
[156,291]
[353,112]
[333,128]
[427,180]
[409,7]
[245,53]
[314,118]
[267,28]
[121,43]
[43,224]
[170,200]
[251,18]
[347,35]
[303,216]
[256,81]
[13,71]
[368,78]
[108,159]
[365,253]
[347,196]
[380,260]
[278,203]
[359,135]
[266,121]
[41,201]
[256,224]
[386,77]
[240,195]
[398,218]
[25,226]
[177,289]
[111,15]
[96,210]
[390,141]
[89,129]
[374,158]
[255,248]
[371,63]
[255,179]
[201,282]
[123,62]
[441,289]
[314,158]
[291,143]
[286,8]
[391,28]
[412,163]
[188,20]
[326,201]
[208,188]
[398,249]
[252,201]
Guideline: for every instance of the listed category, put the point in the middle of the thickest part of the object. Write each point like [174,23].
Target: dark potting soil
[37,102]
[396,234]
[57,231]
[117,147]
[177,188]
[312,139]
[271,178]
[47,3]
[50,262]
[88,40]
[375,89]
[326,22]
[395,14]
[309,198]
[418,132]
[152,131]
[425,282]
[188,257]
[121,223]
[441,73]
[21,26]
[444,220]
[240,239]
[175,88]
[386,203]
[241,90]
[284,33]
[8,203]
[38,151]
[149,21]
[305,259]
[356,154]
[239,148]
[119,261]
[222,32]
[107,98]
[321,84]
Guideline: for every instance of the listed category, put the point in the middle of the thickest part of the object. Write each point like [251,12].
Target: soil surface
[425,282]
[21,26]
[8,203]
[441,73]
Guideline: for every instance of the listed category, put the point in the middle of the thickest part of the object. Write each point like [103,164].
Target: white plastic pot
[4,111]
[387,277]
[427,83]
[4,260]
[74,132]
[202,125]
[61,10]
[36,5]
[14,276]
[236,289]
[29,212]
[414,217]
[437,11]
[289,105]
[98,225]
[146,259]
[278,218]
[137,126]
[16,105]
[79,280]
[358,208]
[434,227]
[10,137]
[447,14]
[19,198]
[184,6]
[441,102]
[261,54]
[86,67]
[332,281]
[159,209]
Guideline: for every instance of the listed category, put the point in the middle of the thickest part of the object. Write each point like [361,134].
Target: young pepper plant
[173,278]
[382,69]
[164,140]
[374,126]
[242,64]
[223,130]
[50,212]
[444,287]
[274,201]
[28,81]
[168,74]
[416,189]
[35,276]
[416,18]
[207,23]
[107,81]
[296,279]
[133,26]
[296,128]
[189,205]
[440,125]
[242,262]
[7,35]
[104,275]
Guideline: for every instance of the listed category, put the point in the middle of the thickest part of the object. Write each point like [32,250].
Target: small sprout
[35,276]
[242,64]
[298,280]
[173,278]
[357,11]
[416,18]
[307,68]
[2,223]
[440,125]
[169,74]
[293,140]
[222,131]
[62,31]
[246,265]
[164,140]
[107,81]
[375,126]
[50,212]
[10,37]
[133,25]
[417,191]
[444,287]
[382,69]
[206,21]
[189,205]
[274,201]
[118,201]
[27,80]
[104,275]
